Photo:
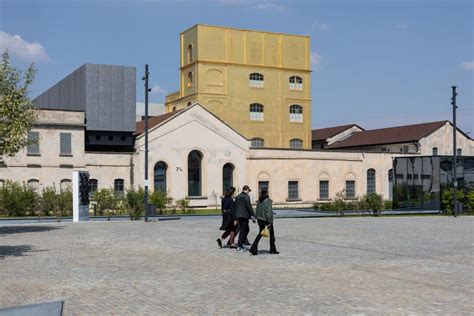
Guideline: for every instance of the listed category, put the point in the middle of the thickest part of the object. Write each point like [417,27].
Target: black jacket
[243,208]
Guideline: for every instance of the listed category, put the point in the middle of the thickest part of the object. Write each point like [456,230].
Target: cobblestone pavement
[392,265]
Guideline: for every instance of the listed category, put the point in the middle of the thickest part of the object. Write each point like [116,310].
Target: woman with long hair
[264,216]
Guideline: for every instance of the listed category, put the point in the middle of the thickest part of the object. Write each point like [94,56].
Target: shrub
[339,204]
[387,205]
[17,199]
[106,202]
[64,204]
[47,202]
[135,202]
[161,200]
[183,204]
[373,202]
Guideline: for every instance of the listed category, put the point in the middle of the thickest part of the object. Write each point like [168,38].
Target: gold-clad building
[256,82]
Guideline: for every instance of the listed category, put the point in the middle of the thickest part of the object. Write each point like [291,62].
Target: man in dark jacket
[243,212]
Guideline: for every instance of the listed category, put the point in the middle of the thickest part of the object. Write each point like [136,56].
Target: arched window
[257,142]
[34,184]
[118,187]
[296,83]
[296,143]
[159,176]
[371,181]
[227,177]
[256,80]
[174,108]
[65,185]
[194,173]
[189,103]
[296,113]
[190,53]
[93,185]
[435,151]
[256,112]
[459,152]
[190,79]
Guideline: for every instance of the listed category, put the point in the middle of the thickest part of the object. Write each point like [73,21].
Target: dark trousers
[244,231]
[261,226]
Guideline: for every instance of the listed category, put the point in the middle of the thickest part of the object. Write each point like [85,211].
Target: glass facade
[426,183]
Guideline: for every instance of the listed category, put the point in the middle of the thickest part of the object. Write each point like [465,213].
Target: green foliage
[338,203]
[387,205]
[106,201]
[183,205]
[373,202]
[48,202]
[135,202]
[161,200]
[17,114]
[64,204]
[463,195]
[17,199]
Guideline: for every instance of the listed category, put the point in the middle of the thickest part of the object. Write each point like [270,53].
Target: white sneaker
[239,249]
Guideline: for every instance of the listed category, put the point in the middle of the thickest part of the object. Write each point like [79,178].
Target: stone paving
[391,265]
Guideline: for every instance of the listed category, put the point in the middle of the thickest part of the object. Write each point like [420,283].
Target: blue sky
[377,63]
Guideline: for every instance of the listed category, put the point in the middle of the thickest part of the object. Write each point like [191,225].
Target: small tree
[64,204]
[373,202]
[17,114]
[106,202]
[161,200]
[47,202]
[339,204]
[183,205]
[17,199]
[135,200]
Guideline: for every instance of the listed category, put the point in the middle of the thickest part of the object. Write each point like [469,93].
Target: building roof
[153,121]
[390,135]
[328,132]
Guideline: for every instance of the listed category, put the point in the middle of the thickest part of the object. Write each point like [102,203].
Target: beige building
[257,82]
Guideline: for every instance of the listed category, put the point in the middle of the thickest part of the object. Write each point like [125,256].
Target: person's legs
[254,248]
[244,227]
[225,234]
[272,240]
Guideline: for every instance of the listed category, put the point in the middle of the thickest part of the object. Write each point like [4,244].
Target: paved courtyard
[390,265]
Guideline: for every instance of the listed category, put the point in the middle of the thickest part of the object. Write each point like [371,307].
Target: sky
[376,63]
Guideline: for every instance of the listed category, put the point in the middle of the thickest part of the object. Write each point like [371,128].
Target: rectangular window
[33,143]
[65,144]
[256,83]
[350,189]
[324,189]
[296,117]
[293,193]
[256,116]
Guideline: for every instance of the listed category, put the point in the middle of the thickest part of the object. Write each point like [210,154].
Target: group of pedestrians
[236,215]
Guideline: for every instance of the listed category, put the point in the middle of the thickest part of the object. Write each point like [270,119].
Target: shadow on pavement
[6,230]
[16,251]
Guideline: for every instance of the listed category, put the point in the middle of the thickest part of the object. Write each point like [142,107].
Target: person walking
[227,208]
[265,219]
[243,212]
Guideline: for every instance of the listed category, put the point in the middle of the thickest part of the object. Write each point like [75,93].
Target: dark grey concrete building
[107,95]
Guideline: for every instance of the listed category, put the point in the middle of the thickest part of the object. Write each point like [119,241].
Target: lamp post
[455,178]
[147,73]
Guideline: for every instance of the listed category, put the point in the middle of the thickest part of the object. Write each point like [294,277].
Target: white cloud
[402,26]
[315,59]
[158,90]
[22,49]
[467,66]
[322,26]
[268,6]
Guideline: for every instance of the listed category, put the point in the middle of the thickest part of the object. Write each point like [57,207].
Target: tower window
[296,143]
[256,80]
[256,112]
[296,83]
[296,113]
[257,142]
